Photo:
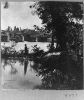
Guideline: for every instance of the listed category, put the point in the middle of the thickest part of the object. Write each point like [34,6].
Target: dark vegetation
[57,19]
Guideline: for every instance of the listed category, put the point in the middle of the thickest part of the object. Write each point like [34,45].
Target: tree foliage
[56,17]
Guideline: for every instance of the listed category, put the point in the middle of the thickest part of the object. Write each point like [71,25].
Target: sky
[18,14]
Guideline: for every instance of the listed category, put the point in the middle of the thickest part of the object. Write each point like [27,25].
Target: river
[21,73]
[26,74]
[18,74]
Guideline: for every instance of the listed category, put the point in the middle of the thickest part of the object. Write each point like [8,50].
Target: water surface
[18,74]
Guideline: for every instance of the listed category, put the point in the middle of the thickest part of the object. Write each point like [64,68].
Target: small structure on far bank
[5,37]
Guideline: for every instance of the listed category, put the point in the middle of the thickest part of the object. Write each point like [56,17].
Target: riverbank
[20,45]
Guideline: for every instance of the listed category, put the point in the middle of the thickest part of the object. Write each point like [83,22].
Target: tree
[62,20]
[56,16]
[75,39]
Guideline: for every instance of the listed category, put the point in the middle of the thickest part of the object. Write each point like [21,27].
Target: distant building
[19,37]
[49,39]
[42,39]
[12,39]
[27,37]
[5,37]
[30,35]
[33,39]
[9,29]
[33,36]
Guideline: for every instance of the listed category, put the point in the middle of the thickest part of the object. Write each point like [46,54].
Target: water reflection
[13,70]
[25,66]
[54,77]
[18,74]
[51,78]
[26,74]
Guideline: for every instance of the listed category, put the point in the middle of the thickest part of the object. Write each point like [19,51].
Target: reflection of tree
[5,61]
[21,61]
[10,63]
[58,74]
[13,70]
[12,60]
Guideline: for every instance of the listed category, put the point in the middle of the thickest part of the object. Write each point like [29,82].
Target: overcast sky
[18,14]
